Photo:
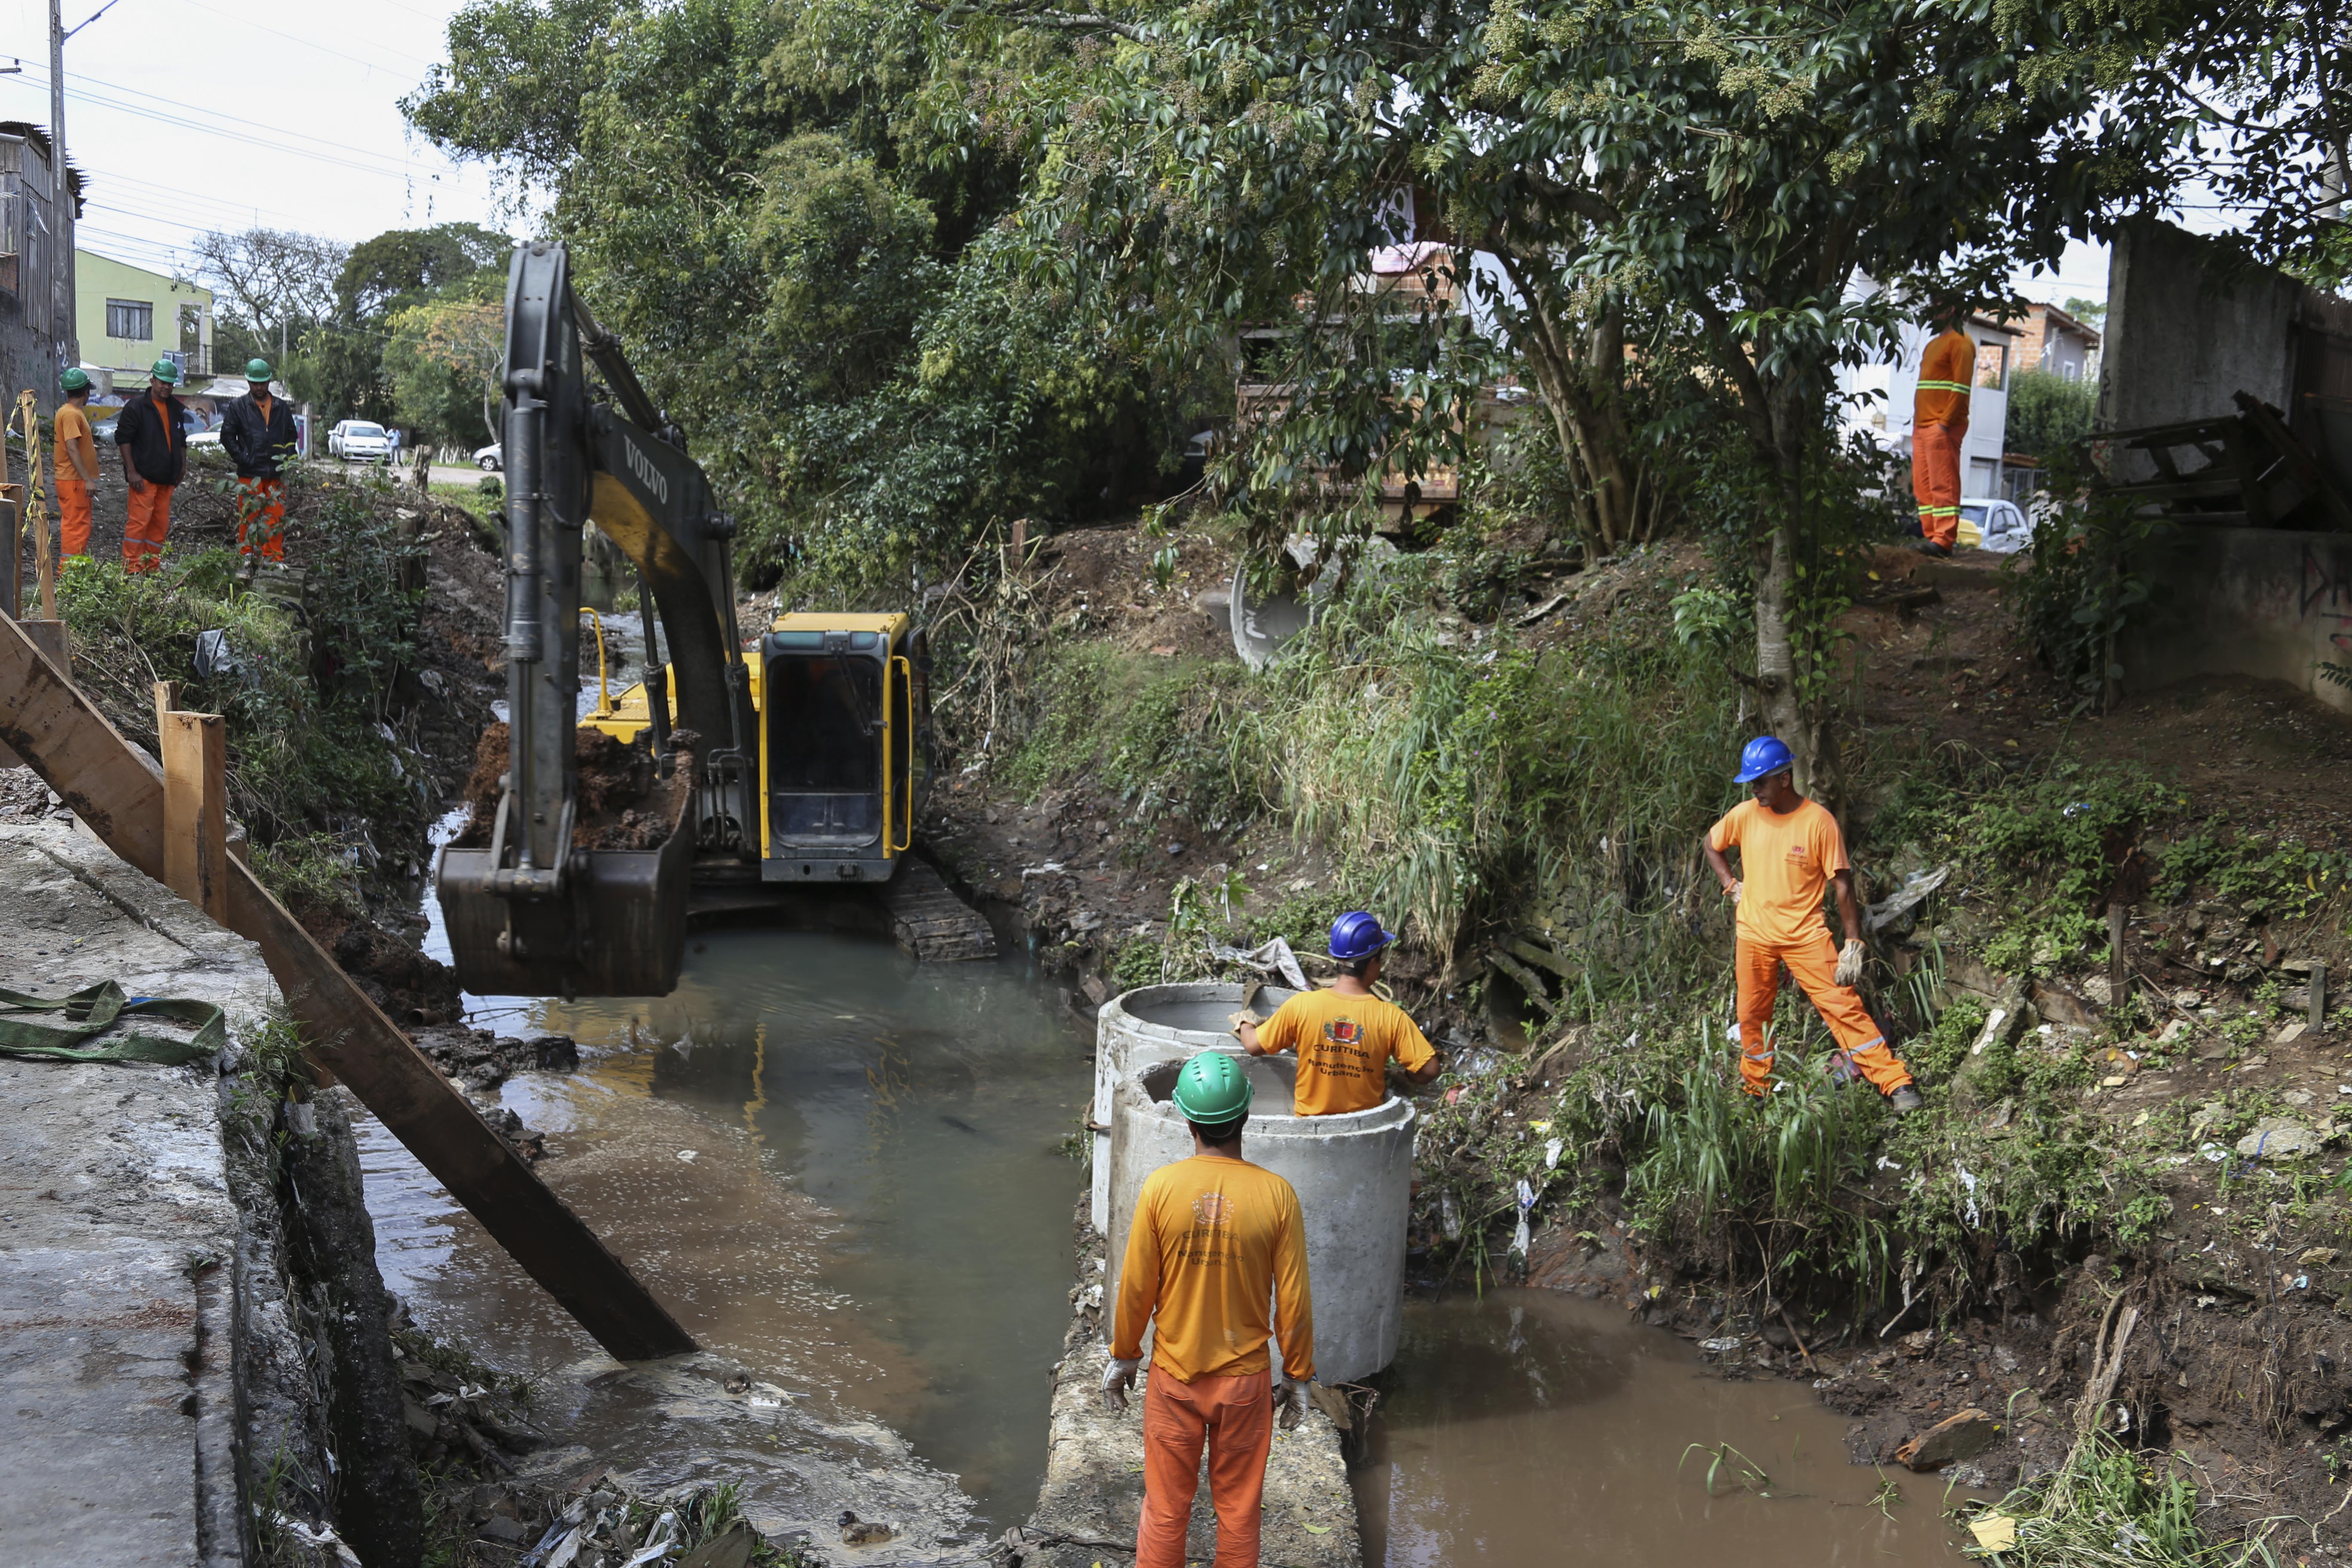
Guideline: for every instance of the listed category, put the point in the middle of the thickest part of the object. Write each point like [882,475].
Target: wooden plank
[196,811]
[118,793]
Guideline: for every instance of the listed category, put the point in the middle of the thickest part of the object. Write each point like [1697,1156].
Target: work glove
[1118,1378]
[1850,962]
[1289,1404]
[1733,891]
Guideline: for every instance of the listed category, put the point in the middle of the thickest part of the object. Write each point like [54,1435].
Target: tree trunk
[1802,722]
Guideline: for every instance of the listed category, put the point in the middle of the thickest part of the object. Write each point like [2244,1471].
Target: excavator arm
[533,914]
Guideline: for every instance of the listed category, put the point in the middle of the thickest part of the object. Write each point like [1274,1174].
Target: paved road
[443,473]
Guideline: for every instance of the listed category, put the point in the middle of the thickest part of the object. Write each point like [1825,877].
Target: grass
[317,772]
[2107,1507]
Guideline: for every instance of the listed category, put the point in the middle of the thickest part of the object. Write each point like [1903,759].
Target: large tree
[275,282]
[1776,187]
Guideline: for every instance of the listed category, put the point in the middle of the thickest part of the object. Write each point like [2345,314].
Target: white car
[490,458]
[202,438]
[1995,526]
[358,441]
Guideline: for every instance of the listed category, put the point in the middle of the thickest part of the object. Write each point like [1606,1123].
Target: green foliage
[1451,779]
[2107,1507]
[1150,732]
[2049,415]
[2255,872]
[2086,582]
[1933,1055]
[310,756]
[2056,838]
[1764,1176]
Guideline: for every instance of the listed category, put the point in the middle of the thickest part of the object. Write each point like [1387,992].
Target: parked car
[358,441]
[490,458]
[1996,526]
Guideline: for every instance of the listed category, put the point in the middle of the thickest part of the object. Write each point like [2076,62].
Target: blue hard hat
[1762,756]
[1356,935]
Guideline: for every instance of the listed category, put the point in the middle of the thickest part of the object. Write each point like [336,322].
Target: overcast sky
[194,114]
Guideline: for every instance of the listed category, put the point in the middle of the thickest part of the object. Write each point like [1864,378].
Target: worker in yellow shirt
[76,462]
[1345,1035]
[1214,1239]
[1940,424]
[1790,849]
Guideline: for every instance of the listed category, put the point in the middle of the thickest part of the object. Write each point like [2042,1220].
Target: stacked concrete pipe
[1353,1172]
[1154,1024]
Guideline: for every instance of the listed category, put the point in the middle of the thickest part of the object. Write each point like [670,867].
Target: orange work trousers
[73,511]
[143,533]
[261,518]
[1235,1416]
[1936,479]
[1813,962]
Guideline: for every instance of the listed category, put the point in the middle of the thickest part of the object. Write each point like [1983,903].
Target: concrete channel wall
[2248,601]
[182,1347]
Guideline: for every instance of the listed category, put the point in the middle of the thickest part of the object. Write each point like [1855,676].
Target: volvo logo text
[647,475]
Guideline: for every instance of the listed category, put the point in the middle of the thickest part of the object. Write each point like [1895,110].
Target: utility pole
[60,197]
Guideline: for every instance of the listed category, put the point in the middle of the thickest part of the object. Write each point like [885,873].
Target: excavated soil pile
[625,804]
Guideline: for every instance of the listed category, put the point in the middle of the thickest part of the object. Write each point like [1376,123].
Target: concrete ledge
[1093,1494]
[2260,602]
[118,1407]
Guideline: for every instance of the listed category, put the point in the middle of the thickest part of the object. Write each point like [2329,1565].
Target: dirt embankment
[2219,1333]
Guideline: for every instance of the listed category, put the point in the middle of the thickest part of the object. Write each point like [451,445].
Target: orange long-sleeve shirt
[1213,1238]
[1947,371]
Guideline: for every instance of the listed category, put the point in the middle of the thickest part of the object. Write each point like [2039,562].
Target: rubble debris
[1956,1438]
[481,1060]
[624,801]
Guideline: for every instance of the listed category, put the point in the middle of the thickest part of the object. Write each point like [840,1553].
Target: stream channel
[843,1170]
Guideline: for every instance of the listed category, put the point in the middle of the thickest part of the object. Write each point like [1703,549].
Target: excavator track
[931,922]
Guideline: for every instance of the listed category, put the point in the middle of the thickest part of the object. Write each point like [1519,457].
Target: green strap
[92,1011]
[1960,387]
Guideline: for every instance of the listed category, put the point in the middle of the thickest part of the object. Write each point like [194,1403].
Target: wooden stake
[167,700]
[2118,972]
[196,811]
[45,569]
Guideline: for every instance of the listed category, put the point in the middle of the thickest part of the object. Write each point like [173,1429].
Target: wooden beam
[120,793]
[196,811]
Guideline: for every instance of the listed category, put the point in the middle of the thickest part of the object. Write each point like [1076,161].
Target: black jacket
[158,448]
[257,446]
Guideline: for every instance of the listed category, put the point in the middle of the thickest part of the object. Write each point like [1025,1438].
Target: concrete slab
[118,1408]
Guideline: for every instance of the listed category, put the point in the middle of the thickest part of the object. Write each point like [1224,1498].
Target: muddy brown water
[841,1170]
[1532,1427]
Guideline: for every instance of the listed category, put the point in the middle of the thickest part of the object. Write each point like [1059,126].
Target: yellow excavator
[796,757]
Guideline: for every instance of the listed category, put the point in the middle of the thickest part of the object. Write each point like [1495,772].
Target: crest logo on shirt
[1796,854]
[1212,1209]
[1344,1032]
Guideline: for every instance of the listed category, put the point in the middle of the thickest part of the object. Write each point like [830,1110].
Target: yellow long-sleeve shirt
[1947,371]
[1213,1239]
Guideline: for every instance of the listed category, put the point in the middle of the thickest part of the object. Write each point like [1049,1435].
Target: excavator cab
[844,720]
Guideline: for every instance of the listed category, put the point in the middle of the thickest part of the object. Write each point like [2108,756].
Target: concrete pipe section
[1154,1024]
[1354,1178]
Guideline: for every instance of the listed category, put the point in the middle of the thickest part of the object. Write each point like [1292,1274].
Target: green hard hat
[257,370]
[1212,1089]
[163,370]
[75,379]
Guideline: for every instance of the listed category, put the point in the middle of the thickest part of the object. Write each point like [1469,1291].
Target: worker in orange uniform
[1939,423]
[1214,1239]
[1790,847]
[1345,1035]
[76,462]
[257,432]
[153,439]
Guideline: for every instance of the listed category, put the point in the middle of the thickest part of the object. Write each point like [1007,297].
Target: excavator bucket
[615,927]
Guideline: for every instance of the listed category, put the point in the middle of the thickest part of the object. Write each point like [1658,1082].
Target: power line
[306,43]
[143,105]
